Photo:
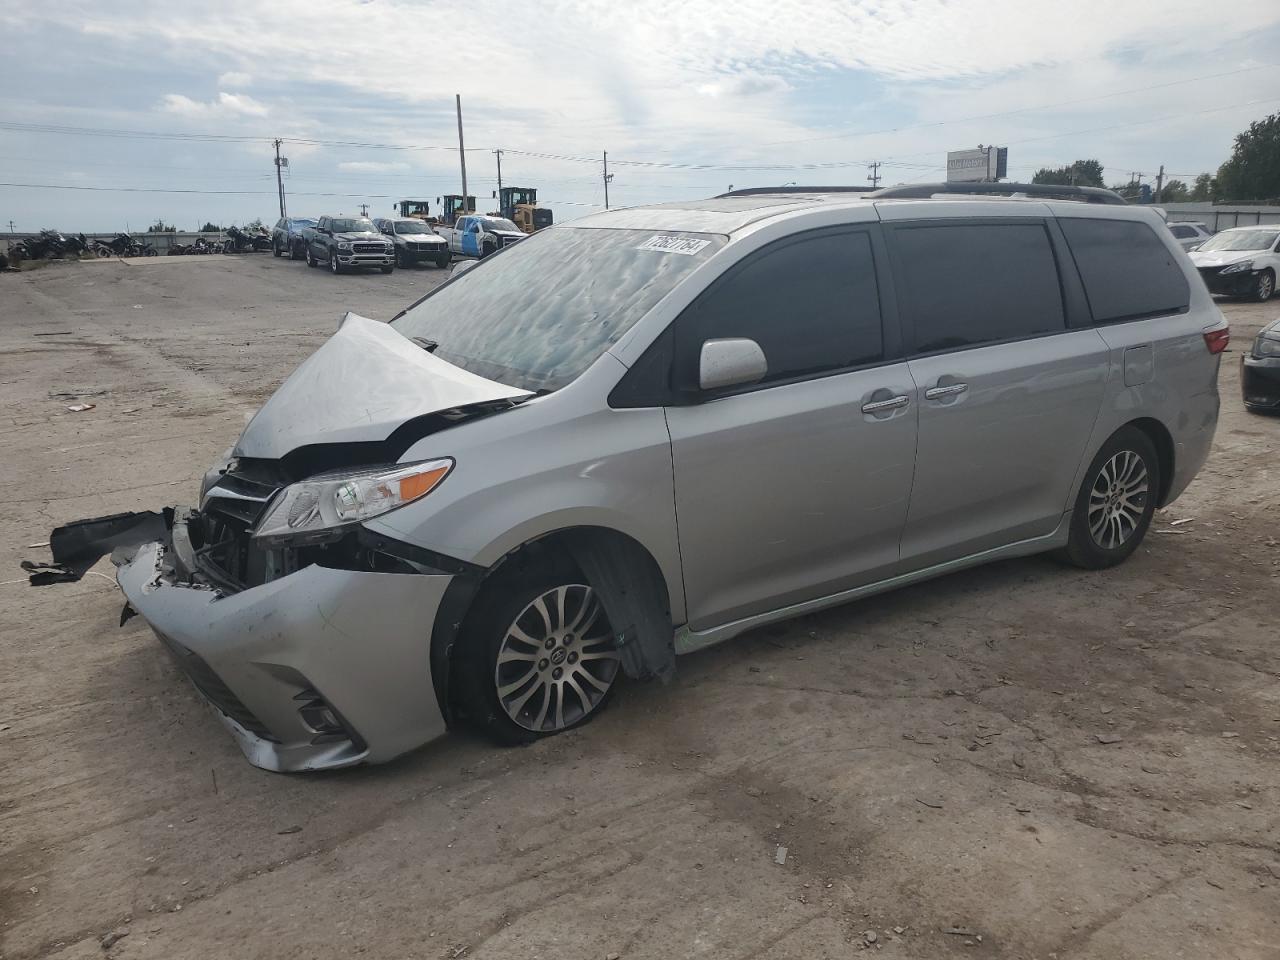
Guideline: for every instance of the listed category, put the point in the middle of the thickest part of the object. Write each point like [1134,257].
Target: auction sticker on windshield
[666,244]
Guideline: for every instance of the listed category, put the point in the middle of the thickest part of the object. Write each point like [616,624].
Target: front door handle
[950,390]
[882,406]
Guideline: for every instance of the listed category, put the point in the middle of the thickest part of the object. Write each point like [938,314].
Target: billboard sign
[977,166]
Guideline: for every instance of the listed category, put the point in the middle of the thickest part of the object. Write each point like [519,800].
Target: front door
[471,237]
[1008,392]
[795,487]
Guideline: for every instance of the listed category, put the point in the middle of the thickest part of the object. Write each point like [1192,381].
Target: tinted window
[967,284]
[1182,233]
[811,304]
[1127,272]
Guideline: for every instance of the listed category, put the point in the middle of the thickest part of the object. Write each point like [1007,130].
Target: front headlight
[324,507]
[1240,267]
[1266,347]
[344,245]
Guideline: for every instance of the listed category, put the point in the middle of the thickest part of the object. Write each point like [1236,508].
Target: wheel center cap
[558,655]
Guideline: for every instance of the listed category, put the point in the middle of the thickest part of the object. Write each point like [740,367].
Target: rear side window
[1183,233]
[966,284]
[1128,272]
[811,304]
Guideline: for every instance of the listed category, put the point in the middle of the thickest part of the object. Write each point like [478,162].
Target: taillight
[1217,340]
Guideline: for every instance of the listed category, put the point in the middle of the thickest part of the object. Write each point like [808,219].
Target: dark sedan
[1260,370]
[286,237]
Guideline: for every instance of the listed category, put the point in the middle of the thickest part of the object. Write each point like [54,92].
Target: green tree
[1205,188]
[161,227]
[210,227]
[1083,173]
[1253,172]
[1175,191]
[254,224]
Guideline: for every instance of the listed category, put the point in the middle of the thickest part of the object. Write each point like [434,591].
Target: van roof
[730,213]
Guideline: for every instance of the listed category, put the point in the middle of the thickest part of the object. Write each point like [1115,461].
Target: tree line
[1250,175]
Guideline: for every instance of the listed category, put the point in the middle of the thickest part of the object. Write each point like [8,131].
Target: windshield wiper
[426,344]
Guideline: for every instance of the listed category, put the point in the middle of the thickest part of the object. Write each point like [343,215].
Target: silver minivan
[647,431]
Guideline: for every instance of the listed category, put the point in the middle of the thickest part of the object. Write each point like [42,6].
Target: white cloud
[234,79]
[226,105]
[371,166]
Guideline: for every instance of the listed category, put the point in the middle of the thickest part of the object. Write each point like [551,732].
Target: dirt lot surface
[1018,761]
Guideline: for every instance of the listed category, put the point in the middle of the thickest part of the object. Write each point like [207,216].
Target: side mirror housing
[730,363]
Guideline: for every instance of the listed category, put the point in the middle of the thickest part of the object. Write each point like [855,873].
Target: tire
[443,262]
[1266,287]
[388,268]
[505,684]
[311,257]
[276,251]
[487,250]
[294,252]
[1107,524]
[334,266]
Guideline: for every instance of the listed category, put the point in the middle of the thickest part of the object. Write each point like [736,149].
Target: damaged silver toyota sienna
[653,429]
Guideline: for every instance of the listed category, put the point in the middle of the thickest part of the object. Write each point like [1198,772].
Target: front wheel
[311,258]
[443,261]
[388,268]
[334,265]
[276,251]
[1265,287]
[1116,501]
[539,655]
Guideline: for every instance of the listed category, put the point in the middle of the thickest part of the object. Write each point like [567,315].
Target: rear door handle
[881,406]
[950,390]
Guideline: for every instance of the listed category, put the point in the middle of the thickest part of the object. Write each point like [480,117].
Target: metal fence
[1221,217]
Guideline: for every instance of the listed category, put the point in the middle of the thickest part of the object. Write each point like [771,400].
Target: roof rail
[762,191]
[1048,191]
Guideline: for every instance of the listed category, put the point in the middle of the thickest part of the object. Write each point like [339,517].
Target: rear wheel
[539,655]
[1266,286]
[1116,501]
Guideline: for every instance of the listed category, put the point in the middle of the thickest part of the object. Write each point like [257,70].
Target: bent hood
[1222,258]
[360,385]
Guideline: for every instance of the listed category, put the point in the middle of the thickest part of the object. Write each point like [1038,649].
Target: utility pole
[364,209]
[11,226]
[1159,183]
[462,154]
[498,153]
[874,176]
[280,162]
[607,177]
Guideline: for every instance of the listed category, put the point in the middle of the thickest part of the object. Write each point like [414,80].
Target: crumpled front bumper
[271,656]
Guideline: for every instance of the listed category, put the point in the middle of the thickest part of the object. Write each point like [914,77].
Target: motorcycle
[238,241]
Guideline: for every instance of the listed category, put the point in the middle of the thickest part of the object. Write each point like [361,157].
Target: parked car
[415,241]
[345,243]
[654,429]
[480,235]
[286,237]
[1241,262]
[1189,233]
[1260,370]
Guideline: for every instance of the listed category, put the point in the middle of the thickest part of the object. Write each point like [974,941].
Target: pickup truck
[348,242]
[478,235]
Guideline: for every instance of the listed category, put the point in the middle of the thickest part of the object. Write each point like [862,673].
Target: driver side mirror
[730,363]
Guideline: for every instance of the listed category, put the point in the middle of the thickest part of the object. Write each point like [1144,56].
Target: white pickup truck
[478,235]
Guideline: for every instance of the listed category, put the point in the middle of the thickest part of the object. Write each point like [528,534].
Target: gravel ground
[1018,761]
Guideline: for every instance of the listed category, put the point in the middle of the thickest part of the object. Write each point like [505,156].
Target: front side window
[812,304]
[537,316]
[1128,272]
[966,284]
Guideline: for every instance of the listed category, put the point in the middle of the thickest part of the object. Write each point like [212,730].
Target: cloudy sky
[687,97]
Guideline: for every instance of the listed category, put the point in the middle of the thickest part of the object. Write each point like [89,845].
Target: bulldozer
[415,209]
[452,207]
[520,206]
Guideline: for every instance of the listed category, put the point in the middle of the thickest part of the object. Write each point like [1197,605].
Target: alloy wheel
[1118,499]
[1266,286]
[556,663]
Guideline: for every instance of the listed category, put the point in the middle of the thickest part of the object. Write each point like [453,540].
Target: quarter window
[1128,272]
[964,284]
[811,304]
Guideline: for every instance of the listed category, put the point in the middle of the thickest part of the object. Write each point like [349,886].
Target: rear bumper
[1260,382]
[271,659]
